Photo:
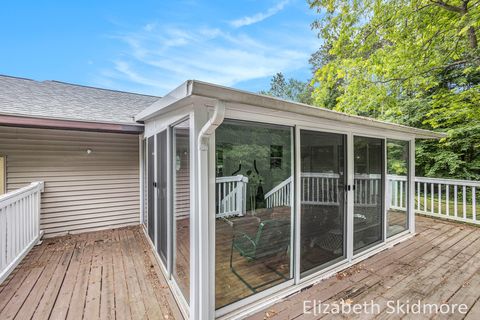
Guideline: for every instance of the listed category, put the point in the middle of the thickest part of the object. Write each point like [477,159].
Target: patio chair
[271,239]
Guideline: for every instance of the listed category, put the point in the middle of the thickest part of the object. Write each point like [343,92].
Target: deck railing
[19,225]
[231,193]
[280,195]
[447,198]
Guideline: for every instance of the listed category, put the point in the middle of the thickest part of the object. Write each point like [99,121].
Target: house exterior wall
[82,191]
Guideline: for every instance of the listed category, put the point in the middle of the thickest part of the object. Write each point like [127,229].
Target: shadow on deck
[108,274]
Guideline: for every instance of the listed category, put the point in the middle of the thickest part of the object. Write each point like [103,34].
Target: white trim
[350,195]
[170,202]
[142,176]
[194,88]
[297,206]
[411,176]
[265,302]
[155,193]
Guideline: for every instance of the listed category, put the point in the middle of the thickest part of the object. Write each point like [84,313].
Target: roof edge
[213,91]
[179,93]
[227,94]
[48,123]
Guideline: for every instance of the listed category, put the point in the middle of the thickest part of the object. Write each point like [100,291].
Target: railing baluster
[425,191]
[455,201]
[400,194]
[439,198]
[432,197]
[474,204]
[464,198]
[447,199]
[418,196]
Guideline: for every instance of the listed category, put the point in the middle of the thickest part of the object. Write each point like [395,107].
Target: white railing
[231,195]
[280,195]
[396,192]
[319,188]
[323,189]
[447,198]
[367,187]
[19,225]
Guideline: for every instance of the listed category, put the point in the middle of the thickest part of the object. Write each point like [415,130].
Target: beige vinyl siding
[2,174]
[82,191]
[182,194]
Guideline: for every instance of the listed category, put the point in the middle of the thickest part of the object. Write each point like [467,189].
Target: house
[245,198]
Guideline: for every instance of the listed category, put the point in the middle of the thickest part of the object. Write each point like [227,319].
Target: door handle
[154,184]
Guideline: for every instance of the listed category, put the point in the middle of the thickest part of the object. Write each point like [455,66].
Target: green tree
[291,89]
[415,62]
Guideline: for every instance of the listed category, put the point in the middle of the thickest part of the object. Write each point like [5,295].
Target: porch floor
[108,274]
[441,264]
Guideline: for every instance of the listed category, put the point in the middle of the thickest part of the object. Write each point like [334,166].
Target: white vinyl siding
[82,191]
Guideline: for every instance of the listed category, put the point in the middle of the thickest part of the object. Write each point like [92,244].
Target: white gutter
[205,301]
[209,128]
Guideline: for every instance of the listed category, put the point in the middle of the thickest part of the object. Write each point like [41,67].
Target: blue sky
[152,46]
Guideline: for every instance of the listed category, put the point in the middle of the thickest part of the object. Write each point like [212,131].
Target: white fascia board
[233,95]
[194,88]
[160,106]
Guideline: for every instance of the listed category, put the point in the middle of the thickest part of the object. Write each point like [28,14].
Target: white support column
[411,187]
[141,160]
[350,195]
[202,302]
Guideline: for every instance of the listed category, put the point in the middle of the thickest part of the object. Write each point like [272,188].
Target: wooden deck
[441,264]
[114,275]
[99,275]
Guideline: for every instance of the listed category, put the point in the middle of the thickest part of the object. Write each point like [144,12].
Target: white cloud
[258,17]
[157,58]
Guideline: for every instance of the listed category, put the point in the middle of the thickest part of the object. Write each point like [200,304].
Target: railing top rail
[396,177]
[19,193]
[468,183]
[278,187]
[367,176]
[319,175]
[231,179]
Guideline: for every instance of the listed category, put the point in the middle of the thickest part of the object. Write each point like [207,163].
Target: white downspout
[206,298]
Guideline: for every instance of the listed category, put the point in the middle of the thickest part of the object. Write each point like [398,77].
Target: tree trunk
[472,37]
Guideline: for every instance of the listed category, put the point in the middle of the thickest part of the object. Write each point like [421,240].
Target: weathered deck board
[114,275]
[98,275]
[441,264]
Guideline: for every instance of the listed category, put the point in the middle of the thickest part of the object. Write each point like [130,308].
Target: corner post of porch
[411,187]
[202,305]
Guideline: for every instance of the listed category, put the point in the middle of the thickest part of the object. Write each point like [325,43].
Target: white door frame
[350,131]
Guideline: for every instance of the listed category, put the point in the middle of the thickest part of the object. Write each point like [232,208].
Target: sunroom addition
[249,198]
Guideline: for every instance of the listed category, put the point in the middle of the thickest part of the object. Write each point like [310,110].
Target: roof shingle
[58,100]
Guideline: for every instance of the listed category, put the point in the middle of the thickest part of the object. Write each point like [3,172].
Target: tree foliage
[415,62]
[291,89]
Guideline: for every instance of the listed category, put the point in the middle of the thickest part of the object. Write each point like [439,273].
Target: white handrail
[231,195]
[19,225]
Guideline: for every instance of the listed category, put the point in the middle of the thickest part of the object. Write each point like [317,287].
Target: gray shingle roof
[58,100]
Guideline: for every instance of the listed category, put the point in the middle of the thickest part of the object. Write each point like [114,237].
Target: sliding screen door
[398,185]
[162,197]
[254,188]
[323,201]
[181,206]
[368,192]
[151,187]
